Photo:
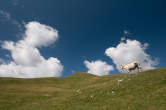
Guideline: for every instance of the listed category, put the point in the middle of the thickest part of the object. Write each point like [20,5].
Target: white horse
[131,66]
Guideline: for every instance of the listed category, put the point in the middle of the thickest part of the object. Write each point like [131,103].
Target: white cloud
[129,51]
[98,67]
[27,60]
[40,35]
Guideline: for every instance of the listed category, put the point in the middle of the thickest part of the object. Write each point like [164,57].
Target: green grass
[81,91]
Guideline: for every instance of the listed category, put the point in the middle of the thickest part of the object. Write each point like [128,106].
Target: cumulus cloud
[128,51]
[39,35]
[98,67]
[27,61]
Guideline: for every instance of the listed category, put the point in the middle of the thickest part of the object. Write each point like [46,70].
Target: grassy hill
[81,91]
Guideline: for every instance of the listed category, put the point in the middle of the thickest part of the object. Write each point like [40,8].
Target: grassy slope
[145,91]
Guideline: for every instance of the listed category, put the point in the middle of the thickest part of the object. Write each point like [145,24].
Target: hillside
[81,91]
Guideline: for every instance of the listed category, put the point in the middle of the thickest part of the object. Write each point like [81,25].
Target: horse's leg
[128,71]
[138,69]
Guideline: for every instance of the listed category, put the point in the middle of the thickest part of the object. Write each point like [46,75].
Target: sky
[56,38]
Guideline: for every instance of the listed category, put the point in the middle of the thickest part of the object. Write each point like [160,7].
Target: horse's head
[137,63]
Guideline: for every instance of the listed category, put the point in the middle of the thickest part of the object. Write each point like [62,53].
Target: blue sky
[88,27]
